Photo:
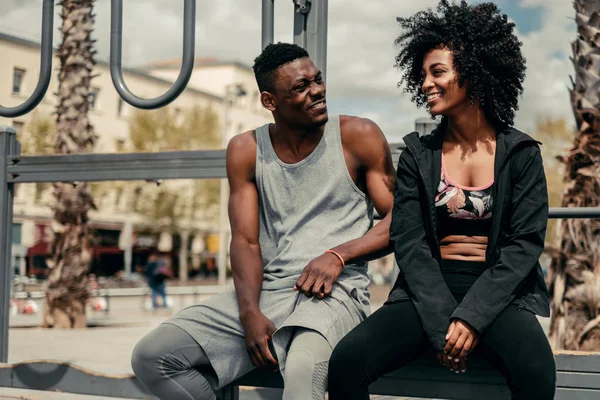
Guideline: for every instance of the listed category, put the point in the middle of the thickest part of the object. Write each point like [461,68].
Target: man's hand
[259,330]
[319,275]
[460,341]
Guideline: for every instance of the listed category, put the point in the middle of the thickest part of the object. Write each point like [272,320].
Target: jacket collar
[507,140]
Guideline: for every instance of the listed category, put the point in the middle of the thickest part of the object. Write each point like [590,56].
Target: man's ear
[268,101]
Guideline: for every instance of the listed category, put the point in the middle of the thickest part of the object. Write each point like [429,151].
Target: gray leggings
[171,364]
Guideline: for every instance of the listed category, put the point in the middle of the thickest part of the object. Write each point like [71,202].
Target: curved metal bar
[187,65]
[45,66]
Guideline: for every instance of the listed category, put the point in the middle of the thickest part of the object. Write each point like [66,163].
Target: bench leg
[230,392]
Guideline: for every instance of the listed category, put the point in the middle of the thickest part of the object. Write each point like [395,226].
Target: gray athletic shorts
[215,324]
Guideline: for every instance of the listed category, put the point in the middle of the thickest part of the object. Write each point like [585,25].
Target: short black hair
[272,57]
[487,55]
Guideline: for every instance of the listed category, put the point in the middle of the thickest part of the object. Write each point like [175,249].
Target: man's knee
[305,377]
[306,366]
[145,360]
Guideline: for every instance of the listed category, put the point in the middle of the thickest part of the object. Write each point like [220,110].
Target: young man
[301,211]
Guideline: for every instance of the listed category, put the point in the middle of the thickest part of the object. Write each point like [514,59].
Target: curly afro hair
[272,57]
[487,55]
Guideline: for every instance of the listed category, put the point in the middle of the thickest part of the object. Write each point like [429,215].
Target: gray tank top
[308,207]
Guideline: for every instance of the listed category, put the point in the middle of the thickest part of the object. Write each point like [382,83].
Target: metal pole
[8,147]
[268,22]
[223,201]
[316,34]
[310,30]
[128,253]
[300,11]
[573,212]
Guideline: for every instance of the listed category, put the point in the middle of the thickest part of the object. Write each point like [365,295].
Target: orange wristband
[338,256]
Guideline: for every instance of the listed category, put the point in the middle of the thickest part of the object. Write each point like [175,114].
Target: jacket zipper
[496,203]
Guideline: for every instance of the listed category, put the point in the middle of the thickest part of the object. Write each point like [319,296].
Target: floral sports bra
[471,205]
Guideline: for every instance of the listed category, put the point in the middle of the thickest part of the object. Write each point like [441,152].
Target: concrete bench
[578,379]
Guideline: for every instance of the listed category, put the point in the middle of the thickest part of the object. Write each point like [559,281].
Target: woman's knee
[532,375]
[537,379]
[347,361]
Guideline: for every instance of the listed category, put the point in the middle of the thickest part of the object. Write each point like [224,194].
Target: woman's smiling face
[440,84]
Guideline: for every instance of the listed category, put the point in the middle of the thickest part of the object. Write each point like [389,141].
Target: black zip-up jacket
[515,241]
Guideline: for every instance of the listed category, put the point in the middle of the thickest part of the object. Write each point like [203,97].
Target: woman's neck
[469,127]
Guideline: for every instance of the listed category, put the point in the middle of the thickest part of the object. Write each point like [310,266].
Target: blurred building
[109,115]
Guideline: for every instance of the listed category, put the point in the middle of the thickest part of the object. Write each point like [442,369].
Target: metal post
[128,253]
[301,9]
[223,201]
[8,147]
[316,32]
[183,256]
[310,30]
[268,22]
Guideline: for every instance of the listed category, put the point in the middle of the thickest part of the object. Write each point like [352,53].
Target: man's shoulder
[243,145]
[353,125]
[241,151]
[358,132]
[243,140]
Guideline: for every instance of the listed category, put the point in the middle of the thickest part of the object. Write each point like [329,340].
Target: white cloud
[360,47]
[546,86]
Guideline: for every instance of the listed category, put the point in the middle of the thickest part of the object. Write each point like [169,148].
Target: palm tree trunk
[575,268]
[67,290]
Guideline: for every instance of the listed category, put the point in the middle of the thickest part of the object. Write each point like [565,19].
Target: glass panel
[16,233]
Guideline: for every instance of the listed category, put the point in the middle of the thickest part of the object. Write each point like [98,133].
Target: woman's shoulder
[428,141]
[513,136]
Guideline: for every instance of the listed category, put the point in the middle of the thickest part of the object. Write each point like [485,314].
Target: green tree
[38,139]
[173,205]
[556,137]
[67,291]
[575,268]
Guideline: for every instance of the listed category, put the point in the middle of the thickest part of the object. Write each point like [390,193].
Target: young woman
[469,217]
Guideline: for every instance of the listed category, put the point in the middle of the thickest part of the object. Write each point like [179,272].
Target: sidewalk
[23,394]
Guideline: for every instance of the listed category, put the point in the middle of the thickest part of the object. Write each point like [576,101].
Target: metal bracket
[303,5]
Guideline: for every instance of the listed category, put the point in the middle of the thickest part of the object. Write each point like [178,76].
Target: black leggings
[393,336]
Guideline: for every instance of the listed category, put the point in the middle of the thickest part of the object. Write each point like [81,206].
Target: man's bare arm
[246,259]
[369,146]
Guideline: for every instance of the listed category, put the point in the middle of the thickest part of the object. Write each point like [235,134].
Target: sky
[361,78]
